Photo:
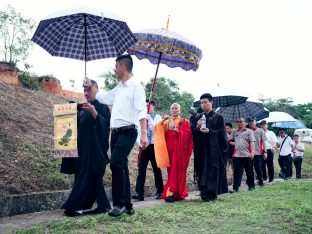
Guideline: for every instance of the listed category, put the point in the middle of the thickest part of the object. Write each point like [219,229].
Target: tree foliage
[186,101]
[15,35]
[110,80]
[301,112]
[29,80]
[166,92]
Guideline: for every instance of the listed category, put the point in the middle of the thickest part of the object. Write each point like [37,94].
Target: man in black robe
[212,152]
[193,121]
[93,136]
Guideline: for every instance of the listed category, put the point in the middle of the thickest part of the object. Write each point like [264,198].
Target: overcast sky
[253,47]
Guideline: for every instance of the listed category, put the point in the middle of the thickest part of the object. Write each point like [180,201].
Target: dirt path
[25,220]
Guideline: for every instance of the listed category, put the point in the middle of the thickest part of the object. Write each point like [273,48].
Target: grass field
[306,164]
[281,208]
[307,161]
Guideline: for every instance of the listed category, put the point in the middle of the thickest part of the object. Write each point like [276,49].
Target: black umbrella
[224,101]
[84,34]
[245,110]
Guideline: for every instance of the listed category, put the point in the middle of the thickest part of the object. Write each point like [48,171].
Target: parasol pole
[154,83]
[155,77]
[151,93]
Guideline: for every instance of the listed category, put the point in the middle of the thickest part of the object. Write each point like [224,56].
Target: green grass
[307,161]
[306,170]
[281,208]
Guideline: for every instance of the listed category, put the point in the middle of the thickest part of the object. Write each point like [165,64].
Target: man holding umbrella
[128,115]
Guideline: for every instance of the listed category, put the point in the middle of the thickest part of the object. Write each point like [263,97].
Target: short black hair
[263,122]
[282,129]
[206,95]
[94,83]
[152,102]
[126,60]
[252,118]
[296,135]
[229,125]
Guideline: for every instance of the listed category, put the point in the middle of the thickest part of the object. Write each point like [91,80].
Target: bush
[28,81]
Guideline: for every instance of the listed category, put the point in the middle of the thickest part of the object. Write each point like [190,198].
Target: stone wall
[9,74]
[74,95]
[42,201]
[52,85]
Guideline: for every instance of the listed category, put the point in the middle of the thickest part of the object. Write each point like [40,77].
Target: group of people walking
[166,142]
[252,149]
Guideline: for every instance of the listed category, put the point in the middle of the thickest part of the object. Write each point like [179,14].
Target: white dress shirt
[271,139]
[128,100]
[151,126]
[286,148]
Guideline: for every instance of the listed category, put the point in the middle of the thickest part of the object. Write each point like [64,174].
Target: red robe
[179,146]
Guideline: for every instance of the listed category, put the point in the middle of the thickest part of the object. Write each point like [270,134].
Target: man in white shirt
[285,144]
[128,115]
[297,155]
[149,155]
[270,146]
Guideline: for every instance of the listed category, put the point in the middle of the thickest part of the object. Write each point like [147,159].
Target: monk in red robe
[173,139]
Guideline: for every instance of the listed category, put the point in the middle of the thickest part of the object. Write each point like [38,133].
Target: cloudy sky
[257,48]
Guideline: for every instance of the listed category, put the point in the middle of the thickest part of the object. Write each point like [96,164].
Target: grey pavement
[12,223]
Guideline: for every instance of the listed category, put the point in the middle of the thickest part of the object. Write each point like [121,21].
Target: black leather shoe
[170,199]
[205,198]
[116,211]
[72,213]
[130,211]
[158,196]
[251,188]
[94,212]
[138,197]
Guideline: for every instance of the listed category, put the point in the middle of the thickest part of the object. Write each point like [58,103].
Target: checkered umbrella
[84,34]
[245,110]
[224,101]
[262,115]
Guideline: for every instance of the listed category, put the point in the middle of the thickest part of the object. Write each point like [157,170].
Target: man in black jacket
[93,135]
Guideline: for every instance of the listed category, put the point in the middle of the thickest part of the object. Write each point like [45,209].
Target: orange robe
[178,148]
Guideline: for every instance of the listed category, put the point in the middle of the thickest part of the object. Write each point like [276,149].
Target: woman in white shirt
[297,155]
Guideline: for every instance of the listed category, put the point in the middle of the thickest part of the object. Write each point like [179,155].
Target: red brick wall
[52,85]
[74,95]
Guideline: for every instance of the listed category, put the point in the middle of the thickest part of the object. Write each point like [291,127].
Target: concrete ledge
[43,201]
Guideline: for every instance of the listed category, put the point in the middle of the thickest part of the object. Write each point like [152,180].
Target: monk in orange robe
[178,147]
